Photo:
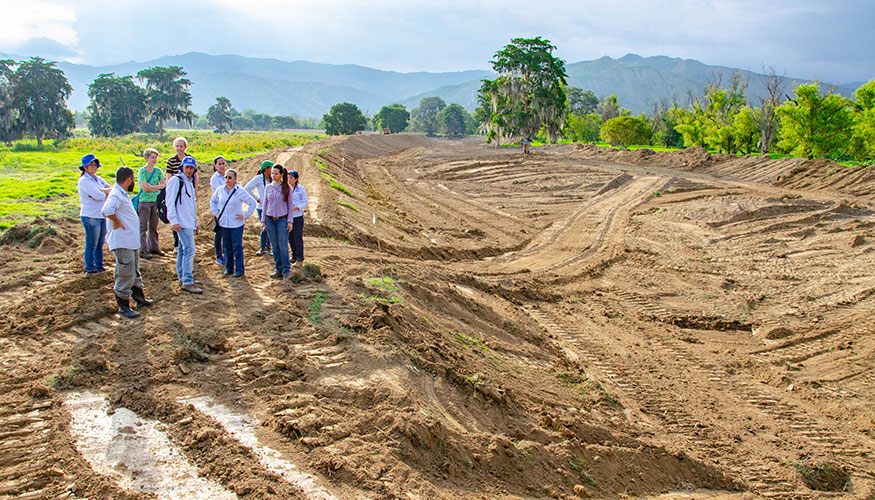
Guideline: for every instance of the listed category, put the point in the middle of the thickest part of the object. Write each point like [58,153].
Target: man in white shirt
[217,181]
[124,241]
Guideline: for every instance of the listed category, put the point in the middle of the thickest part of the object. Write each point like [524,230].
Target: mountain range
[309,89]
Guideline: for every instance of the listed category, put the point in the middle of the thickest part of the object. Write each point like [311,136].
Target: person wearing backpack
[151,180]
[182,213]
[173,167]
[227,207]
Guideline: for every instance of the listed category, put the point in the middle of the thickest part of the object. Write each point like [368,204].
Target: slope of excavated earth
[577,322]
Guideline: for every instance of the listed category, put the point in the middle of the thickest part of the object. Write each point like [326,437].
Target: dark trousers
[296,239]
[265,240]
[232,242]
[217,244]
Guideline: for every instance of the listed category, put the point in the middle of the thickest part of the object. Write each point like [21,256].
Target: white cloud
[22,21]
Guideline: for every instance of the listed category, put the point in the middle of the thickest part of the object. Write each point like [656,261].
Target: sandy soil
[573,323]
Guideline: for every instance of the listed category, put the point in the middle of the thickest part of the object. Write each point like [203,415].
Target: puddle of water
[242,427]
[135,452]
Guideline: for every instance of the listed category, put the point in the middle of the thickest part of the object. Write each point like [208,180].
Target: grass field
[42,181]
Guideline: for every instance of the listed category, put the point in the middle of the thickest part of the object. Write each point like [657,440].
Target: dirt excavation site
[473,323]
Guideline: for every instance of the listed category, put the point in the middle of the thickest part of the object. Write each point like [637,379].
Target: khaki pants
[127,271]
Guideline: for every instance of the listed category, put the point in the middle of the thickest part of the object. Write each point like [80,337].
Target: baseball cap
[189,161]
[265,165]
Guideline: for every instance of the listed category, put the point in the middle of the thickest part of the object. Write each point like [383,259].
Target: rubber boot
[124,308]
[140,297]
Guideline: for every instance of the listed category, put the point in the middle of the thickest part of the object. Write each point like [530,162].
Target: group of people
[130,227]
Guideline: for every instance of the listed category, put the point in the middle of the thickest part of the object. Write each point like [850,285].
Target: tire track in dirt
[707,439]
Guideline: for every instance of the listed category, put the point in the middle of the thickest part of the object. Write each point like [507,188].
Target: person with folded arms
[227,207]
[93,191]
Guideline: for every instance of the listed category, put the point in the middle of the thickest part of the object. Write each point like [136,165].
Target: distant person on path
[255,187]
[93,191]
[299,203]
[172,168]
[276,207]
[124,241]
[525,142]
[227,206]
[216,182]
[151,180]
[182,212]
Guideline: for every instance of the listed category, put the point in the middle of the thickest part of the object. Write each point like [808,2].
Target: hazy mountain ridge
[309,89]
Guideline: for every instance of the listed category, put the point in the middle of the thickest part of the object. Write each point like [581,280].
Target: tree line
[531,98]
[431,117]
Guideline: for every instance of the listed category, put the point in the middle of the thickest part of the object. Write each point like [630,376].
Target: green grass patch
[41,180]
[387,283]
[823,476]
[319,164]
[334,184]
[348,205]
[315,309]
[392,299]
[471,342]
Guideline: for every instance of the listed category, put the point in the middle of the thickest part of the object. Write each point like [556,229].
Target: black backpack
[161,203]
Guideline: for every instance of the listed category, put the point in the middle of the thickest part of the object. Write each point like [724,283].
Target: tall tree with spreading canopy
[766,116]
[167,95]
[118,106]
[393,117]
[219,115]
[529,94]
[863,139]
[720,107]
[625,130]
[814,125]
[8,114]
[423,118]
[40,93]
[454,120]
[344,118]
[581,102]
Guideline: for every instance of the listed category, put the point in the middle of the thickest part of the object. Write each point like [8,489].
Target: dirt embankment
[481,324]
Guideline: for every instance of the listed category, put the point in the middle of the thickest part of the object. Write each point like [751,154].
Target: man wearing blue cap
[93,191]
[182,213]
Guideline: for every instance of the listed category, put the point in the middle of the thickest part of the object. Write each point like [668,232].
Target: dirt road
[479,324]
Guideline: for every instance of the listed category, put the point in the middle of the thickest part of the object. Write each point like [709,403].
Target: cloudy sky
[829,40]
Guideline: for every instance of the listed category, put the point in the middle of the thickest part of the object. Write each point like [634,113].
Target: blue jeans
[232,245]
[296,239]
[265,239]
[217,242]
[95,234]
[277,231]
[185,256]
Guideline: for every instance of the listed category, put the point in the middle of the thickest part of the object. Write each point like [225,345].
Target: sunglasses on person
[230,177]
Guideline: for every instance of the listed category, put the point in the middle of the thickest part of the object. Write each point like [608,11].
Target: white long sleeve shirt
[235,205]
[255,187]
[118,203]
[183,213]
[217,181]
[299,200]
[91,198]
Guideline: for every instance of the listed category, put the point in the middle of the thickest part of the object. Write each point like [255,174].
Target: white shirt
[91,198]
[299,200]
[183,213]
[119,203]
[217,181]
[235,205]
[255,187]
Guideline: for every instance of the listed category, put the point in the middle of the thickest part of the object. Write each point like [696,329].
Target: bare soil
[577,322]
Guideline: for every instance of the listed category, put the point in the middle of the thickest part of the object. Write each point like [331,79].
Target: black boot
[124,308]
[140,297]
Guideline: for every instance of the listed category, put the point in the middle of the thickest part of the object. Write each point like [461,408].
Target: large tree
[720,107]
[8,113]
[394,117]
[529,94]
[344,118]
[863,140]
[581,102]
[40,93]
[766,116]
[454,120]
[167,95]
[118,106]
[626,130]
[813,124]
[424,117]
[583,128]
[219,115]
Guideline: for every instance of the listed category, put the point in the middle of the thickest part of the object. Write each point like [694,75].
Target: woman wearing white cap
[93,191]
